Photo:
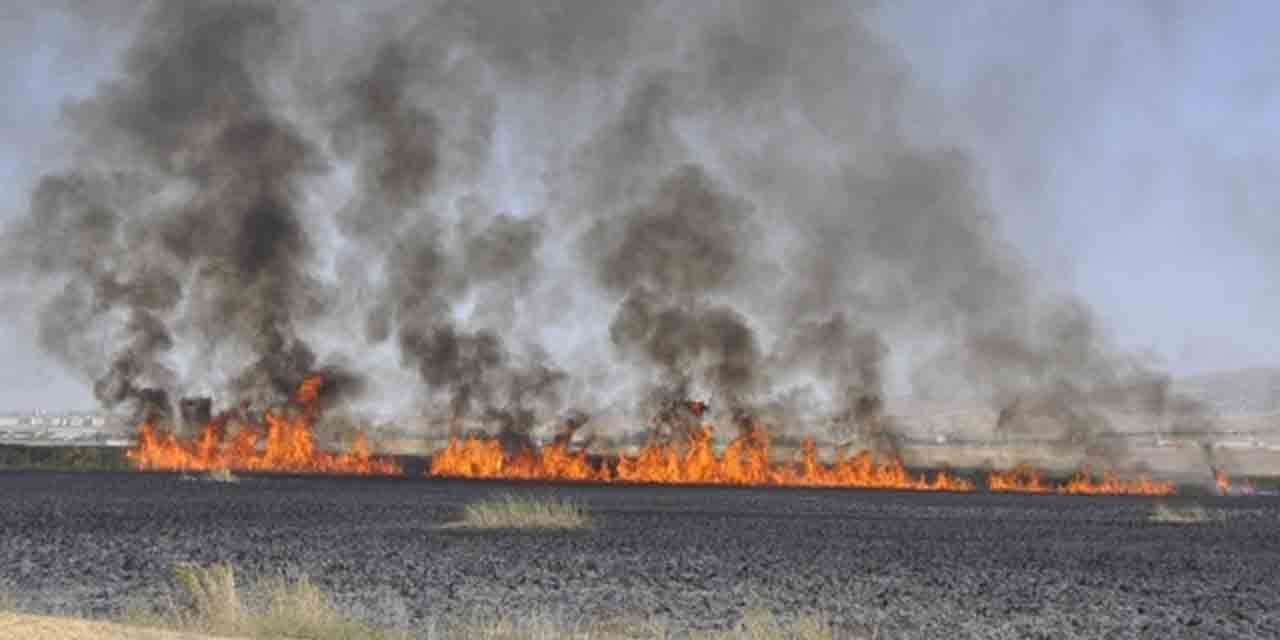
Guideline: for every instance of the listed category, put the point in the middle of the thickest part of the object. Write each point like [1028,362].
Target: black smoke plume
[531,206]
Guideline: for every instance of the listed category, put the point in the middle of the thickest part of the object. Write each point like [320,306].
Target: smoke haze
[506,212]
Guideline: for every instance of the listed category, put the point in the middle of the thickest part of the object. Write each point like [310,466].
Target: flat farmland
[909,565]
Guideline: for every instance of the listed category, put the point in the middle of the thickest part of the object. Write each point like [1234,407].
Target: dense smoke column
[195,225]
[474,365]
[851,359]
[748,204]
[667,258]
[430,261]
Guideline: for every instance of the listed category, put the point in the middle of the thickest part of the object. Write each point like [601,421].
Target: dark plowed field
[913,565]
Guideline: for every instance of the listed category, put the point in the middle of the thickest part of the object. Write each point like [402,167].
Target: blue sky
[1131,150]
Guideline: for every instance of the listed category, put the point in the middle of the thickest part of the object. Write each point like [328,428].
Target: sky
[1131,151]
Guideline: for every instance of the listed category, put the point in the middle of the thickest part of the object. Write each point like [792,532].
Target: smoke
[851,360]
[523,204]
[229,258]
[666,259]
[433,262]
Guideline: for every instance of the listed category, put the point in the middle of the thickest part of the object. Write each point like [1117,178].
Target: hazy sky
[1131,150]
[1132,147]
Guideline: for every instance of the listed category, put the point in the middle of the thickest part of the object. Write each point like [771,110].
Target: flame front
[1222,481]
[1023,479]
[282,441]
[745,461]
[1228,488]
[1026,479]
[1109,484]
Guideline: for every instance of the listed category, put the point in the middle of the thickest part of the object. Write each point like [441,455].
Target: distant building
[47,420]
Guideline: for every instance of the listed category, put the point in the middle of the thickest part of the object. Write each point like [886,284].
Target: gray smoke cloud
[405,154]
[738,201]
[666,258]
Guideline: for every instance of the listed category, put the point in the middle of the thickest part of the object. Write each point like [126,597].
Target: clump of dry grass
[483,625]
[213,475]
[1162,512]
[755,624]
[222,475]
[210,600]
[215,603]
[761,624]
[513,511]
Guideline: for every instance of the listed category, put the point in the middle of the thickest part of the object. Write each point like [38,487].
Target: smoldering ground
[543,207]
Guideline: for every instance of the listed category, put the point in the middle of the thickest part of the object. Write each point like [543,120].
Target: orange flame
[1226,487]
[283,441]
[1023,478]
[745,461]
[1109,484]
[1026,479]
[1223,482]
[309,390]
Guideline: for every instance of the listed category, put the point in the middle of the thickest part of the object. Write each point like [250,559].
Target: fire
[1221,479]
[1109,484]
[1227,488]
[309,391]
[1026,479]
[1023,479]
[484,458]
[282,440]
[745,461]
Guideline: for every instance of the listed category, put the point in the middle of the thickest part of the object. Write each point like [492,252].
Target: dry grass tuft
[755,624]
[211,601]
[215,603]
[1162,512]
[761,624]
[512,511]
[541,626]
[222,475]
[214,475]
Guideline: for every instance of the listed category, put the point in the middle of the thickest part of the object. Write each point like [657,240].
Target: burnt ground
[915,565]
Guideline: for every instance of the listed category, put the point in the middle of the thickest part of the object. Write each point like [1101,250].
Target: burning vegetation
[275,213]
[1026,479]
[681,450]
[1222,482]
[745,461]
[280,439]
